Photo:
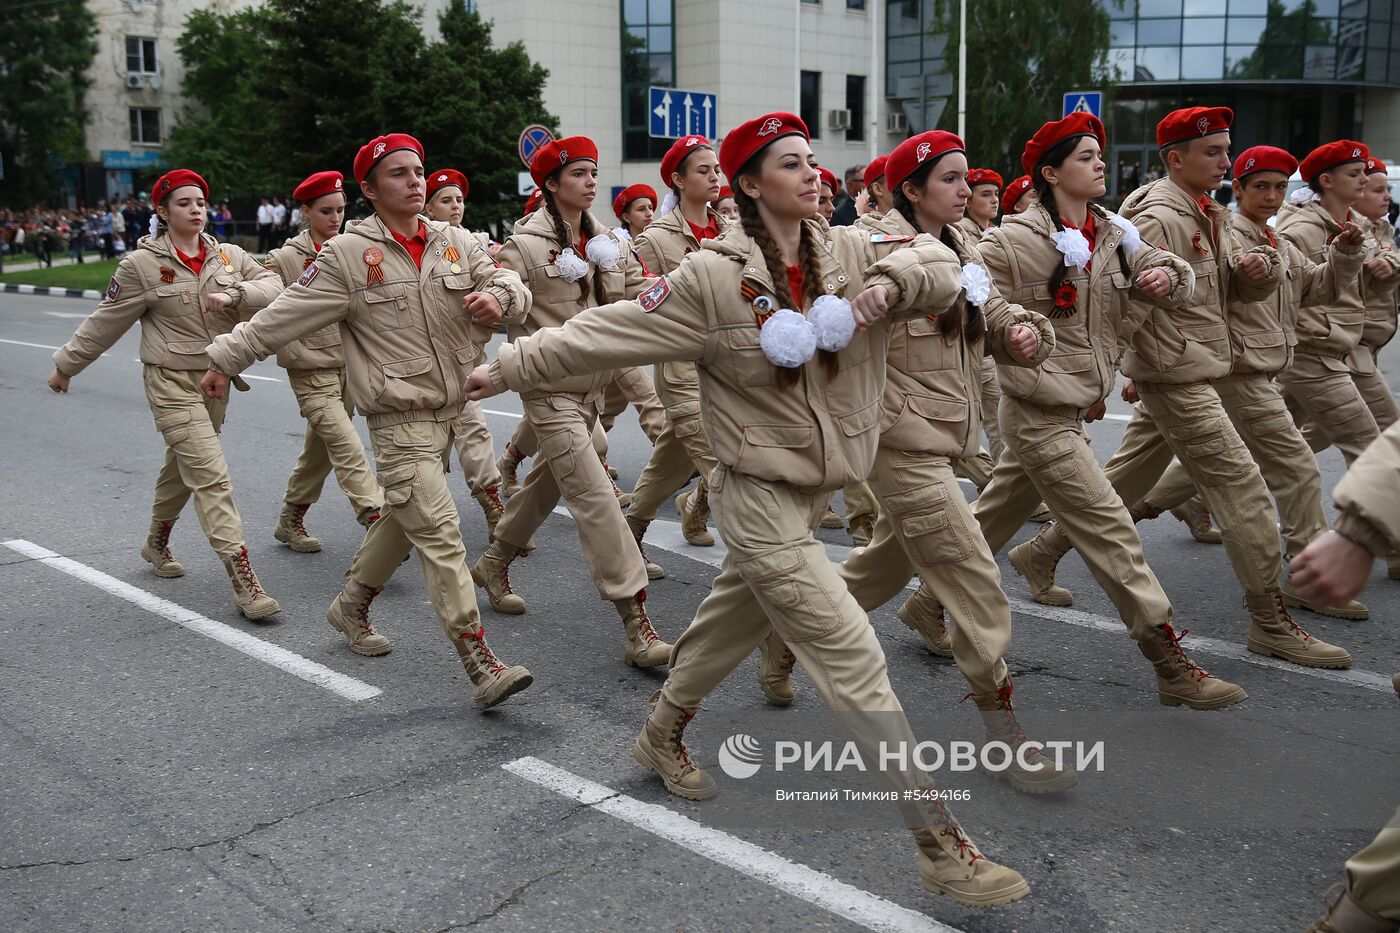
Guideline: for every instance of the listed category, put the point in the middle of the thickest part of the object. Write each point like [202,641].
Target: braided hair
[1054,157]
[561,234]
[970,325]
[807,259]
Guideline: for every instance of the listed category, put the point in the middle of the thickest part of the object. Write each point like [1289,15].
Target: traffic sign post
[1084,102]
[532,139]
[675,113]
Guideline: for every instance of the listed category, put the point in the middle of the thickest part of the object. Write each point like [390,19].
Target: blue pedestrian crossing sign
[1084,102]
[676,113]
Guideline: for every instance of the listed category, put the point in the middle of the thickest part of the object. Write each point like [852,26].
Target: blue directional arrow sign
[1083,102]
[676,113]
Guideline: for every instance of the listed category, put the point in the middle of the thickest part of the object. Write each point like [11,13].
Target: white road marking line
[1113,416]
[256,648]
[71,314]
[817,888]
[37,346]
[666,535]
[503,414]
[260,378]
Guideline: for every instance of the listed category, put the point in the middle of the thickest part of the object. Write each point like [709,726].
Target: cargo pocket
[1216,455]
[174,426]
[405,499]
[787,588]
[562,450]
[1064,481]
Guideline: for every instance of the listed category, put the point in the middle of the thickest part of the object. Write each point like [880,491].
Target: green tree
[1023,56]
[46,49]
[1284,43]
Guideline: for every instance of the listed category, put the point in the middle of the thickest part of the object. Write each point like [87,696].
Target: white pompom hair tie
[1132,238]
[788,339]
[668,204]
[976,284]
[604,251]
[153,226]
[1073,246]
[571,267]
[833,322]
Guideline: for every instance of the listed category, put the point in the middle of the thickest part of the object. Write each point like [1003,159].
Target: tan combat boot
[1042,775]
[489,499]
[1351,609]
[694,509]
[775,670]
[861,530]
[949,863]
[291,529]
[1193,514]
[1035,561]
[1347,915]
[661,748]
[1273,633]
[624,499]
[923,613]
[350,614]
[639,531]
[644,647]
[492,571]
[156,551]
[509,465]
[1180,680]
[248,593]
[831,520]
[494,681]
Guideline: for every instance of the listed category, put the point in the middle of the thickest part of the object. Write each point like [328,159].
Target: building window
[855,5]
[145,126]
[810,102]
[648,60]
[855,103]
[140,56]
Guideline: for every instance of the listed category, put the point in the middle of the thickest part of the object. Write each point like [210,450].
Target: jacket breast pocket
[926,349]
[746,359]
[176,299]
[386,308]
[401,383]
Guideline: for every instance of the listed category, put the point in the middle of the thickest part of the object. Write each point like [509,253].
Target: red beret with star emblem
[556,154]
[376,149]
[748,139]
[915,151]
[1264,159]
[1328,157]
[671,161]
[876,170]
[631,193]
[1374,165]
[1055,132]
[1013,193]
[178,178]
[829,179]
[444,178]
[1182,126]
[983,176]
[318,185]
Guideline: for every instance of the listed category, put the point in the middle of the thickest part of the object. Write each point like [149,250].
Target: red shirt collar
[794,277]
[707,232]
[415,244]
[194,263]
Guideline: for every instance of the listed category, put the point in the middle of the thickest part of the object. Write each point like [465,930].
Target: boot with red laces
[350,614]
[489,498]
[775,666]
[1039,775]
[291,529]
[661,748]
[1180,680]
[509,465]
[950,863]
[156,551]
[494,680]
[248,594]
[923,613]
[644,647]
[1273,633]
[492,571]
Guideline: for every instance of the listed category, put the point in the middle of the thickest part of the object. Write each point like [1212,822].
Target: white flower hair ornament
[605,252]
[1304,195]
[976,283]
[1132,238]
[571,267]
[622,234]
[833,322]
[788,339]
[1073,245]
[668,204]
[153,226]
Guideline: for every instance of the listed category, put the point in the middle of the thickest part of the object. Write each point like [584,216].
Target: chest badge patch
[308,275]
[114,289]
[373,257]
[167,275]
[452,256]
[652,298]
[223,258]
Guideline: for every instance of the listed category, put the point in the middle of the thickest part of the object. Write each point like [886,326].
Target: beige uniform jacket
[1331,330]
[320,350]
[1190,343]
[818,435]
[933,384]
[530,252]
[1264,333]
[968,228]
[1089,340]
[1368,497]
[153,286]
[1379,296]
[409,345]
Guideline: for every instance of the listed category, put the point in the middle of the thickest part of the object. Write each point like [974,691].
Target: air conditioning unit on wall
[896,123]
[135,81]
[838,119]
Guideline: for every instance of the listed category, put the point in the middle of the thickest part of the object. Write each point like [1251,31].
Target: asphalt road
[160,770]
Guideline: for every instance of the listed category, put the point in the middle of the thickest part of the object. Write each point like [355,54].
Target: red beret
[875,170]
[984,176]
[910,154]
[1264,159]
[632,193]
[1181,126]
[374,150]
[1013,193]
[1332,155]
[747,139]
[829,179]
[671,161]
[1055,132]
[724,192]
[532,203]
[1374,165]
[445,178]
[319,184]
[177,179]
[555,155]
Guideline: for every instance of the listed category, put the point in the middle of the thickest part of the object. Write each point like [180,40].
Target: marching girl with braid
[315,368]
[571,262]
[447,191]
[929,415]
[185,287]
[789,324]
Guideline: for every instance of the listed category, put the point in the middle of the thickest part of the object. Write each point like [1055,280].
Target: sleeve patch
[308,275]
[652,298]
[114,289]
[891,238]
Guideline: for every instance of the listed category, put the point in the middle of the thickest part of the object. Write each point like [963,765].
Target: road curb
[50,292]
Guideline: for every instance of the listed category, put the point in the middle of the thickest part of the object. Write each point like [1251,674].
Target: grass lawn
[94,275]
